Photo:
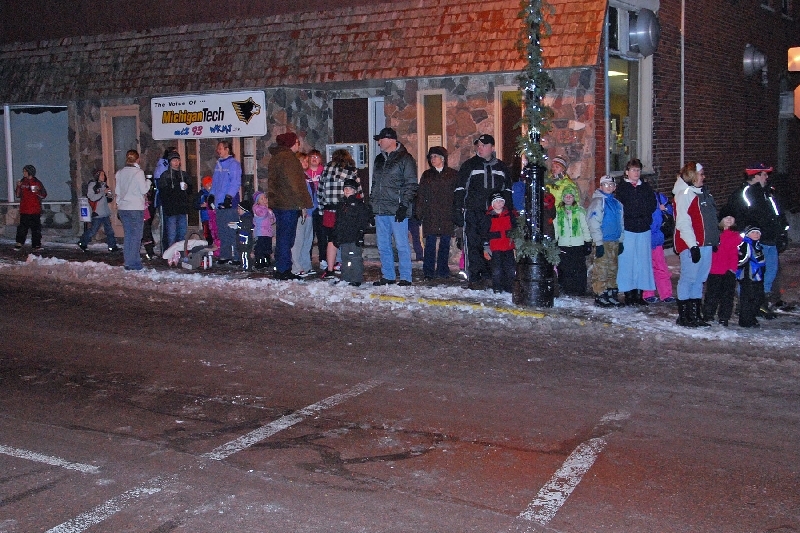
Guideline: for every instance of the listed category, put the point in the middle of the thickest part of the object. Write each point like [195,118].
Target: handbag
[667,224]
[329,218]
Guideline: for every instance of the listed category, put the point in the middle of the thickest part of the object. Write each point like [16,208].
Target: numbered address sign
[209,115]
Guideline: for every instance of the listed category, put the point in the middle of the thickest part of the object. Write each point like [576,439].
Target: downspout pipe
[9,165]
[607,96]
[683,81]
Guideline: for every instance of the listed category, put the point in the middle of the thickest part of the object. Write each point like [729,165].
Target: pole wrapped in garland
[536,252]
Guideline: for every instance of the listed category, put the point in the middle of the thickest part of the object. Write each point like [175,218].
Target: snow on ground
[418,301]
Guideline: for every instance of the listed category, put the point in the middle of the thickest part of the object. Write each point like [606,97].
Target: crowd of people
[722,252]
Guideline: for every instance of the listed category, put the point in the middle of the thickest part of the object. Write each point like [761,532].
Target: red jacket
[30,202]
[500,224]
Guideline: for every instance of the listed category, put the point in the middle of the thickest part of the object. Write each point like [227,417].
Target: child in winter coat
[30,192]
[605,225]
[661,274]
[352,219]
[751,277]
[244,245]
[721,282]
[574,240]
[263,222]
[498,247]
[201,203]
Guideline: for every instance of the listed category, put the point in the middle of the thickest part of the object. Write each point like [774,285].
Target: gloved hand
[401,213]
[599,251]
[620,249]
[782,242]
[587,248]
[487,251]
[228,203]
[97,186]
[360,241]
[695,252]
[715,249]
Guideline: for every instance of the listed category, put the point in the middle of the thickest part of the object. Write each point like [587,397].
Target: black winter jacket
[638,204]
[175,201]
[394,182]
[352,218]
[754,205]
[478,179]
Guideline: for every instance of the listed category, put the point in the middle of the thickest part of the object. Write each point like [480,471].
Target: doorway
[119,127]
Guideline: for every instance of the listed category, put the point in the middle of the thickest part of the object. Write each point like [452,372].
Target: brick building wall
[730,119]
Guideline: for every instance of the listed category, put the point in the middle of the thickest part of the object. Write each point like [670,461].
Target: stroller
[191,254]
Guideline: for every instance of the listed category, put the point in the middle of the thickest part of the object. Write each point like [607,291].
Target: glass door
[120,133]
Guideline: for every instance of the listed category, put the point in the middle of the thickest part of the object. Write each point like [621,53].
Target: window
[510,102]
[36,135]
[431,118]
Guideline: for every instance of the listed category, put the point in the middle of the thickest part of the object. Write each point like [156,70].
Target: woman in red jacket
[31,192]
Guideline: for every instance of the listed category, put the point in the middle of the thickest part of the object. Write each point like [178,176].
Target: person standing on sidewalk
[394,185]
[478,179]
[175,189]
[30,192]
[131,187]
[225,185]
[98,191]
[288,198]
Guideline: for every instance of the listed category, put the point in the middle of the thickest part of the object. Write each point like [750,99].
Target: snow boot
[685,314]
[601,300]
[613,297]
[697,309]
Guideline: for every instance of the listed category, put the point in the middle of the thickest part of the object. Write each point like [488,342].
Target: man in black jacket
[754,204]
[394,186]
[175,190]
[478,179]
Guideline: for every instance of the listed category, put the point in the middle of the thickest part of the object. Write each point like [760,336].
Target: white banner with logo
[205,116]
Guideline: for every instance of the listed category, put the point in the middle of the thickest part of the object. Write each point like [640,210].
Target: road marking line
[556,491]
[47,459]
[86,520]
[284,422]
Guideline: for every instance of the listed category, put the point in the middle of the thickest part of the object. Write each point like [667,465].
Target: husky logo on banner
[246,110]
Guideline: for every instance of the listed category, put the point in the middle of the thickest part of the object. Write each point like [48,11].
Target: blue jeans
[133,225]
[92,230]
[285,231]
[435,264]
[176,229]
[771,266]
[693,275]
[385,228]
[413,228]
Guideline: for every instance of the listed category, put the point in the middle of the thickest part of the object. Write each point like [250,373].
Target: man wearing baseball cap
[479,178]
[754,204]
[394,186]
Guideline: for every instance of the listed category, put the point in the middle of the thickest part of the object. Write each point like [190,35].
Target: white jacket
[130,188]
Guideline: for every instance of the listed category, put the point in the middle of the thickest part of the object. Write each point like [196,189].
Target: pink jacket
[727,255]
[263,218]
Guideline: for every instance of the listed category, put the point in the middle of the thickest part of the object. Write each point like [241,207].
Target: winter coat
[571,228]
[199,199]
[708,208]
[131,187]
[30,203]
[496,230]
[751,260]
[754,205]
[96,191]
[726,258]
[435,201]
[394,182]
[175,200]
[689,225]
[331,185]
[604,218]
[263,218]
[657,236]
[286,181]
[478,179]
[352,219]
[227,180]
[245,232]
[639,202]
[555,185]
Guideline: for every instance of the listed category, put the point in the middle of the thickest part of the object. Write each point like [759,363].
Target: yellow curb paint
[457,303]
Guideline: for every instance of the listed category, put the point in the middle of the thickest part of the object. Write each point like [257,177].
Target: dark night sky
[49,19]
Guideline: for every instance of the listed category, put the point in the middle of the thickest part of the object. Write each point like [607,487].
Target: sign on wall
[209,115]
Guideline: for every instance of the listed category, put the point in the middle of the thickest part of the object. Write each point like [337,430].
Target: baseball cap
[757,168]
[386,133]
[484,139]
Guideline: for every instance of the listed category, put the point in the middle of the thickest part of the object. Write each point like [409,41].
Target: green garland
[530,249]
[534,81]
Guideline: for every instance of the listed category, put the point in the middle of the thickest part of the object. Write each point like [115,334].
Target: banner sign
[206,116]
